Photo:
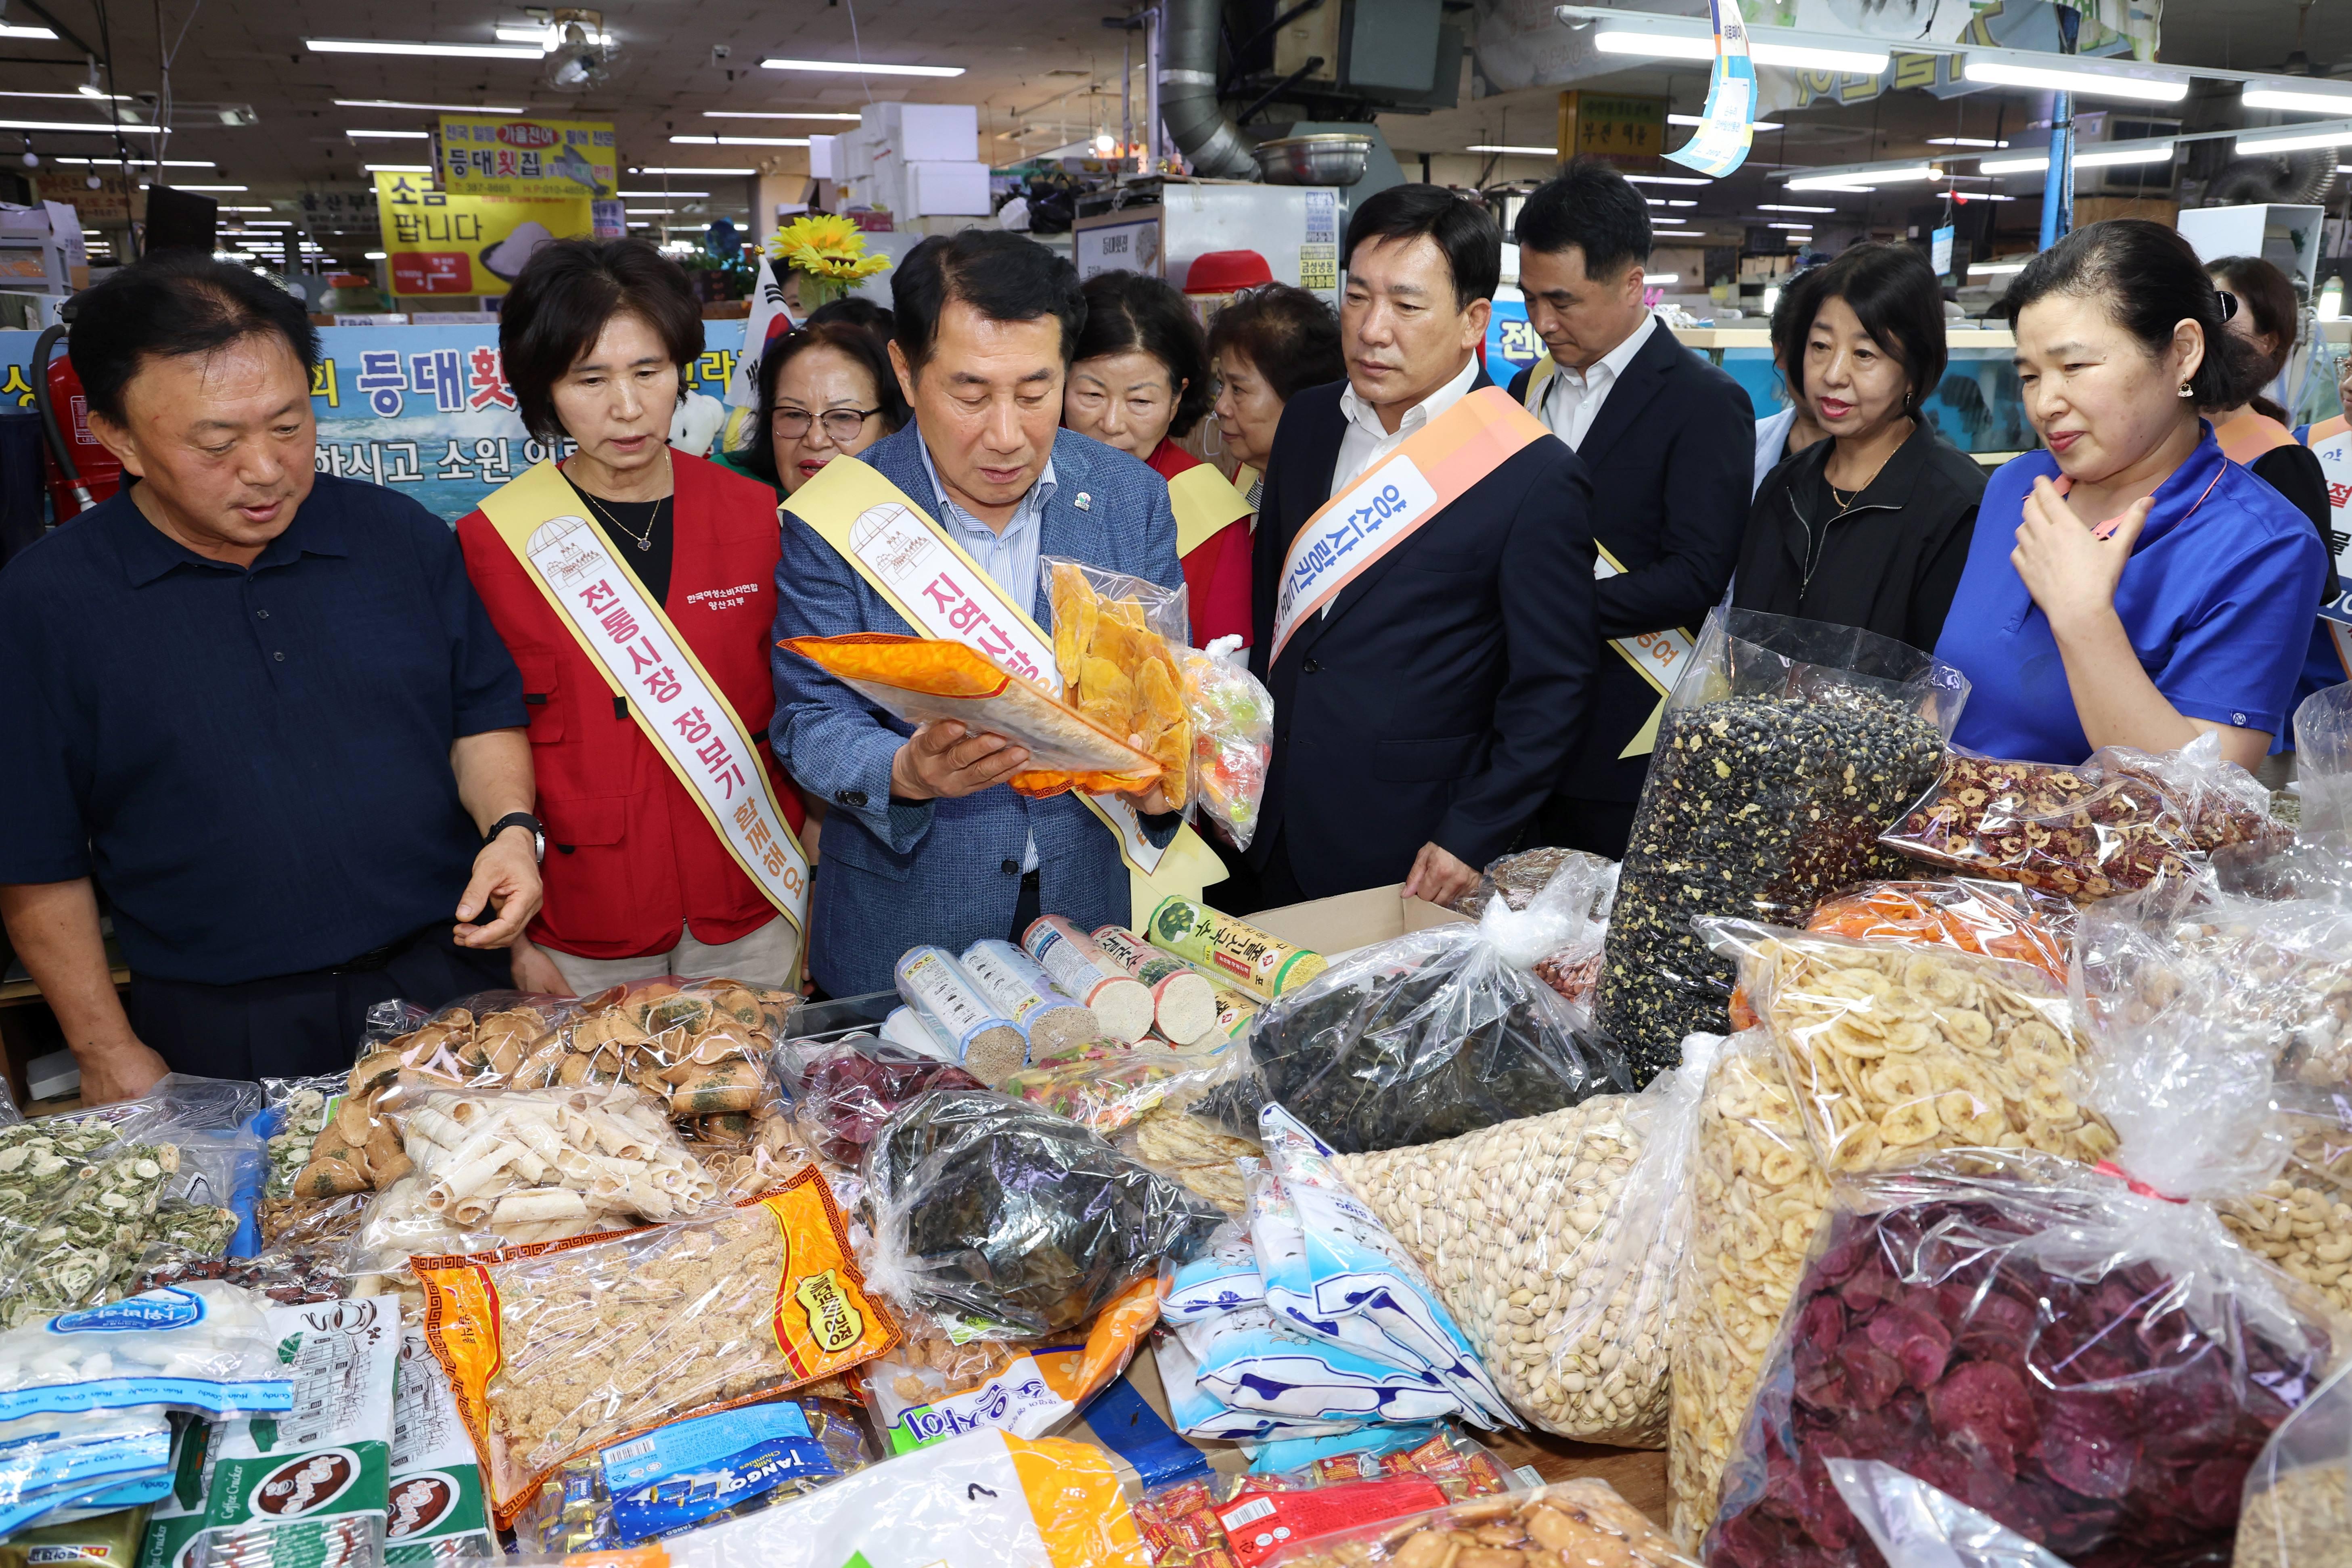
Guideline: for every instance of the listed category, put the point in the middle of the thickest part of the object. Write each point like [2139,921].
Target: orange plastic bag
[919,679]
[1998,920]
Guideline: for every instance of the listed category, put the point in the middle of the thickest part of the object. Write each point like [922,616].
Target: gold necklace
[1844,503]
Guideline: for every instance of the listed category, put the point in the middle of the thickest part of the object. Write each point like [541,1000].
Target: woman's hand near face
[2070,570]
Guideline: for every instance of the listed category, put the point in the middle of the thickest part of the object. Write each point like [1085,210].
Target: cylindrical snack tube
[1260,965]
[1183,1005]
[989,1048]
[1235,1011]
[1011,982]
[905,1028]
[1122,1004]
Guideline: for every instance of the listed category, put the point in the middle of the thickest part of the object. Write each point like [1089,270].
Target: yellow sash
[1657,655]
[924,575]
[1205,503]
[632,644]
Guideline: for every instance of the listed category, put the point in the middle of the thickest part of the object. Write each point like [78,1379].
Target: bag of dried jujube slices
[1552,1239]
[1787,748]
[2117,823]
[2094,1368]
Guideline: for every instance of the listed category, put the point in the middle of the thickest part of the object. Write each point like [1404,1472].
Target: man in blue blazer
[1423,717]
[1667,439]
[923,841]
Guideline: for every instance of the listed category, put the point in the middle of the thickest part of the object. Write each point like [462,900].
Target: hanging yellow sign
[438,243]
[497,155]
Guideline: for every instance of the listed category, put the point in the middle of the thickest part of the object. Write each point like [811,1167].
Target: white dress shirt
[1571,399]
[1367,442]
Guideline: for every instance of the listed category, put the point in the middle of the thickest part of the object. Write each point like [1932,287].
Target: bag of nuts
[1580,1523]
[2298,1502]
[1552,1240]
[1787,748]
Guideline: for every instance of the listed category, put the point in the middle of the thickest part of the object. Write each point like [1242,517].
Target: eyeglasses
[842,423]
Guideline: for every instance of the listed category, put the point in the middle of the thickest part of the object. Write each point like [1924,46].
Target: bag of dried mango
[556,1349]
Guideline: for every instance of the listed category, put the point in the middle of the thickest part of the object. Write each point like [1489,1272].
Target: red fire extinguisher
[81,472]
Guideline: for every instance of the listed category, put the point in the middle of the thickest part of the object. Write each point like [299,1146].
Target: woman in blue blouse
[2129,585]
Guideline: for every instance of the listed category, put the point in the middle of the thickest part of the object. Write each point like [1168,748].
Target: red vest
[630,858]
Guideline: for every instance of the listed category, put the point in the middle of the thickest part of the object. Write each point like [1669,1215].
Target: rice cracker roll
[1011,982]
[1121,1004]
[1183,1003]
[1246,957]
[992,1048]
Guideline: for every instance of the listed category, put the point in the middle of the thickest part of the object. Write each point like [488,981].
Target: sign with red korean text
[443,242]
[500,155]
[644,659]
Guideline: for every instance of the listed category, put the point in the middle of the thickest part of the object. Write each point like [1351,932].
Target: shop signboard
[1623,129]
[108,203]
[438,242]
[498,155]
[426,410]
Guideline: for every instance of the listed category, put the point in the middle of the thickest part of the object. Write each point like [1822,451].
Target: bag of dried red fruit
[2083,1354]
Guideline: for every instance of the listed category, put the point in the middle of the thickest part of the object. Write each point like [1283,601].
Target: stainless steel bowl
[1326,158]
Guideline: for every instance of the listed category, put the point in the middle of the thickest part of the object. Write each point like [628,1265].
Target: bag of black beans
[1787,747]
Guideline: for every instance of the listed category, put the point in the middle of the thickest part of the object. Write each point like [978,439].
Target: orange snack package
[922,679]
[559,1348]
[1998,920]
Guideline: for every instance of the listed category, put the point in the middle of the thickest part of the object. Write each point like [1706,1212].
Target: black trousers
[1600,827]
[294,1026]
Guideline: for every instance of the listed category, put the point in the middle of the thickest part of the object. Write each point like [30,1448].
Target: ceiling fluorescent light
[1849,179]
[1783,207]
[232,188]
[1994,268]
[1805,226]
[445,51]
[768,114]
[2302,139]
[398,168]
[665,193]
[741,141]
[870,68]
[1520,152]
[1965,141]
[2296,101]
[77,127]
[747,174]
[387,135]
[1677,234]
[26,31]
[1668,180]
[2077,80]
[547,36]
[2108,157]
[148,163]
[374,254]
[1797,56]
[444,107]
[1694,120]
[75,96]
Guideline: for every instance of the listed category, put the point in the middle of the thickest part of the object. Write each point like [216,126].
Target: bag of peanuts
[2116,823]
[1552,1239]
[1580,1523]
[2298,1502]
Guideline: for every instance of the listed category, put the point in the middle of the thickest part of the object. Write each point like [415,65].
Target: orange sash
[2250,435]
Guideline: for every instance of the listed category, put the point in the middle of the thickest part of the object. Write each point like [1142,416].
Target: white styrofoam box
[948,189]
[820,163]
[53,1075]
[926,133]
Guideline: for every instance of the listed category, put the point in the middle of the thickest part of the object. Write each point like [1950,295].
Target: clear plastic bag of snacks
[1786,749]
[2298,1501]
[2091,1367]
[1117,641]
[1233,740]
[1581,1523]
[2113,825]
[845,1093]
[1571,1221]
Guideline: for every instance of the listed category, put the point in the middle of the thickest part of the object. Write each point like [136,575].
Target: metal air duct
[1209,139]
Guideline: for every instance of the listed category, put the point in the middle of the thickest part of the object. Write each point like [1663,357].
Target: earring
[2186,390]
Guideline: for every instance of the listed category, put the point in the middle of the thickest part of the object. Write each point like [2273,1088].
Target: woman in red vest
[596,336]
[1140,382]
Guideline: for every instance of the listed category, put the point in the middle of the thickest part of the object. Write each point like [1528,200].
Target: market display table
[1638,1474]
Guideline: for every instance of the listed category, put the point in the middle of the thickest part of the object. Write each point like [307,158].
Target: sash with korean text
[1389,504]
[673,698]
[2331,442]
[940,590]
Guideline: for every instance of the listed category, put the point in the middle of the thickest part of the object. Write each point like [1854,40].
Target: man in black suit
[1668,441]
[1424,712]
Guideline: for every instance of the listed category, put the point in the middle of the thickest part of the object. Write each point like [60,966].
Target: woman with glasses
[825,392]
[596,336]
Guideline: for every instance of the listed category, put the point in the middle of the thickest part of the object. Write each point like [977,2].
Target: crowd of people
[312,751]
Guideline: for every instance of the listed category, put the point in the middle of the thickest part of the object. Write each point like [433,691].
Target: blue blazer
[948,872]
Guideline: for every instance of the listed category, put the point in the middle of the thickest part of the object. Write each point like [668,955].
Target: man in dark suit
[1668,442]
[1426,710]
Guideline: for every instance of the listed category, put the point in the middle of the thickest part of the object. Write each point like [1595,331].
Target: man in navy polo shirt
[258,709]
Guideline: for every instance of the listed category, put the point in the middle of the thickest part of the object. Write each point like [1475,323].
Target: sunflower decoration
[1120,673]
[827,250]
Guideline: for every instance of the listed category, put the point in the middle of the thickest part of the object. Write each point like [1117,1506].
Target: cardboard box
[947,190]
[925,132]
[1346,922]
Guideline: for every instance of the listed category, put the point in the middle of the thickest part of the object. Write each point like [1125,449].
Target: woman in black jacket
[1870,528]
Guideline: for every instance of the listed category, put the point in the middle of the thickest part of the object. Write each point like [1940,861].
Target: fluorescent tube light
[673,169]
[1849,179]
[1668,180]
[1805,226]
[1783,207]
[1797,56]
[26,31]
[774,114]
[2300,142]
[147,164]
[1694,120]
[357,135]
[2296,101]
[1520,152]
[1995,268]
[2076,81]
[742,141]
[398,168]
[665,193]
[443,51]
[374,254]
[1964,141]
[233,188]
[77,127]
[870,68]
[75,97]
[445,107]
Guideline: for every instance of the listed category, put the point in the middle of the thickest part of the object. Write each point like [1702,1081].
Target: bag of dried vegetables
[2298,1503]
[2085,1355]
[1553,1240]
[1142,1099]
[1786,748]
[1430,1035]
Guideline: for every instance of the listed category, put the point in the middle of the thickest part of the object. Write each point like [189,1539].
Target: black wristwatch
[527,822]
